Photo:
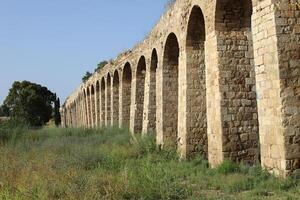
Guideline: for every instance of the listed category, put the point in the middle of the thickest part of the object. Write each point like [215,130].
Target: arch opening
[97,103]
[152,92]
[139,95]
[116,83]
[88,107]
[80,111]
[237,70]
[103,113]
[196,138]
[74,118]
[85,107]
[93,113]
[108,98]
[126,94]
[170,90]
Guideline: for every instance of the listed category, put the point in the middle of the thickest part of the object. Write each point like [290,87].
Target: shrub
[228,167]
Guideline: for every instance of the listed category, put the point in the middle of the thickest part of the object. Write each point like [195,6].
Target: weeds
[108,164]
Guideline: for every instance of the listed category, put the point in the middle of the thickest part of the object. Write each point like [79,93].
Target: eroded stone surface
[217,78]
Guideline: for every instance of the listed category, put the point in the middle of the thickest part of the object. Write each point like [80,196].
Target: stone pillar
[75,114]
[102,104]
[96,105]
[87,110]
[106,103]
[83,110]
[133,100]
[277,58]
[159,102]
[70,116]
[213,96]
[147,97]
[111,102]
[80,110]
[120,98]
[182,111]
[92,106]
[66,117]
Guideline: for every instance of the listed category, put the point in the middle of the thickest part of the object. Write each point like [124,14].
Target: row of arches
[108,104]
[198,93]
[234,28]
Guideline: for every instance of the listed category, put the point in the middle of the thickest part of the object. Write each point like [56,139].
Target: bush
[228,167]
[11,130]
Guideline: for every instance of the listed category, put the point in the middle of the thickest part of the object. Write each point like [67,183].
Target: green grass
[106,164]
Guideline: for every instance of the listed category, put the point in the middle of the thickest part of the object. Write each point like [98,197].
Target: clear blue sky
[53,42]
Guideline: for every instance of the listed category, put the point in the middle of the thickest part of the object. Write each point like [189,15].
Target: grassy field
[106,164]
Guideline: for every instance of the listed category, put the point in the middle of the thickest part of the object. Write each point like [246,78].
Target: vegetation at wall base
[56,163]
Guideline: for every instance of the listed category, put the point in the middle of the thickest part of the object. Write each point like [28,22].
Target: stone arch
[196,120]
[74,116]
[139,94]
[79,109]
[85,107]
[97,103]
[103,111]
[152,92]
[170,90]
[92,100]
[233,15]
[88,102]
[108,98]
[70,114]
[126,94]
[116,94]
[239,118]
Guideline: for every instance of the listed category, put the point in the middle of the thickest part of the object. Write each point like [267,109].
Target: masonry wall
[217,78]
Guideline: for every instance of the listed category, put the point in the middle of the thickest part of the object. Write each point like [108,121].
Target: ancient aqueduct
[219,78]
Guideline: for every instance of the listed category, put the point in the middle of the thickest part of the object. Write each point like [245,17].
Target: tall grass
[108,164]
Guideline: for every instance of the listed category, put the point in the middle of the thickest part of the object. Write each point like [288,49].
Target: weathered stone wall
[217,78]
[116,103]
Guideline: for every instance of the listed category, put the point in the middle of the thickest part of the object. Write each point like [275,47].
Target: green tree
[30,102]
[86,76]
[101,65]
[57,117]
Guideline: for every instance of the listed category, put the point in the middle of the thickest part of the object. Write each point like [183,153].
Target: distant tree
[86,76]
[30,102]
[101,65]
[57,117]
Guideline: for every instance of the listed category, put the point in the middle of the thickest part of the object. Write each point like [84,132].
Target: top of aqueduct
[177,9]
